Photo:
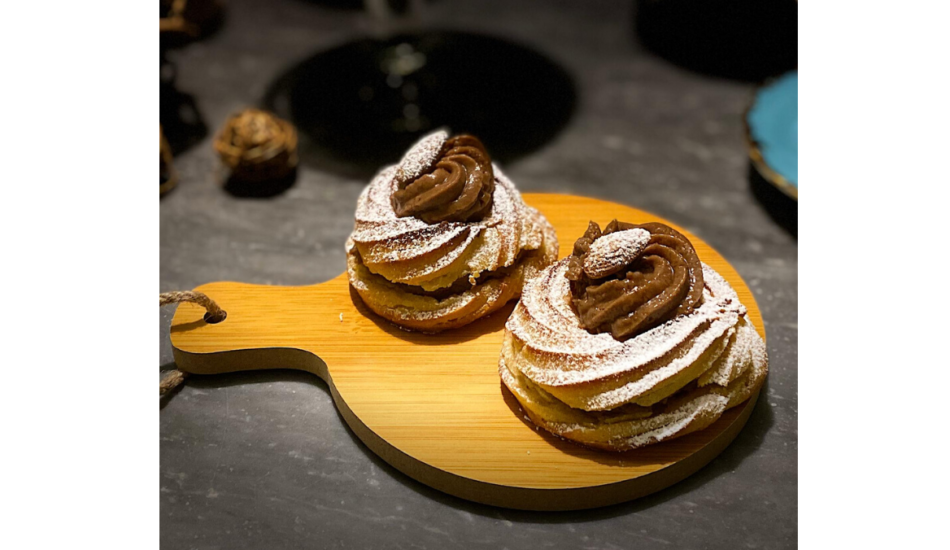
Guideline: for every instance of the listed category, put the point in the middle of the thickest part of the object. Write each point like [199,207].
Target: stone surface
[263,460]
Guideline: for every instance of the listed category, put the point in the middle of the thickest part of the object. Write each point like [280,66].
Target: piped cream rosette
[673,379]
[436,276]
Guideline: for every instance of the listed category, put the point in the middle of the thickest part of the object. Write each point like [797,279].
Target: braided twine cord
[214,315]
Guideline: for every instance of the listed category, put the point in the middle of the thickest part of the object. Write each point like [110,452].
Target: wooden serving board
[433,406]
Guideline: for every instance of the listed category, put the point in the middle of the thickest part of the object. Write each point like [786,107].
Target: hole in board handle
[215,319]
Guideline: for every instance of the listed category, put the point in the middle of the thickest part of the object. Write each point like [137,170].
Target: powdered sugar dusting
[421,156]
[551,349]
[677,422]
[429,314]
[563,353]
[738,357]
[412,244]
[390,244]
[623,395]
[638,390]
[690,410]
[426,271]
[609,253]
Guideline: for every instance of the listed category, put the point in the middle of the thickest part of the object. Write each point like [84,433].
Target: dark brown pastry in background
[257,146]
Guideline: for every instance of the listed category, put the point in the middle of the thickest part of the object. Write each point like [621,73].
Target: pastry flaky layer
[436,276]
[676,378]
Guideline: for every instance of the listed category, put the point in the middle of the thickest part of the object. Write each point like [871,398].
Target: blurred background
[684,108]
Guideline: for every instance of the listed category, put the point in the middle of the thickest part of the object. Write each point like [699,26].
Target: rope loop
[214,315]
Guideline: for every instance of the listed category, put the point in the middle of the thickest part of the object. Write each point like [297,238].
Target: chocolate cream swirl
[630,278]
[458,187]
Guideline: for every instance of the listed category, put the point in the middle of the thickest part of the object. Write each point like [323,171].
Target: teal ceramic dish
[772,133]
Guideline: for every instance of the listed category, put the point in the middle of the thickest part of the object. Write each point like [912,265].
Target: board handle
[262,328]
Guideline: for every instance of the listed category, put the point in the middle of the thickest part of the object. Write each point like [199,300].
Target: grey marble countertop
[263,460]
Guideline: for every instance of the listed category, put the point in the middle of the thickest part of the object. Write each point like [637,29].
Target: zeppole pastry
[630,341]
[444,238]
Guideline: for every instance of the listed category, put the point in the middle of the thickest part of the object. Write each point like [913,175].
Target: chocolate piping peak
[420,157]
[630,278]
[445,179]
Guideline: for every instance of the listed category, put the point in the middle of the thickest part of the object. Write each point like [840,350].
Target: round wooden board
[433,406]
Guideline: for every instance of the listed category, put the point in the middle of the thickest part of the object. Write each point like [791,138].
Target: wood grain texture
[433,405]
